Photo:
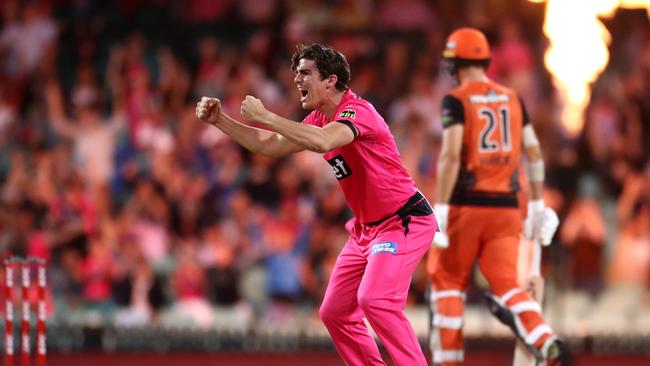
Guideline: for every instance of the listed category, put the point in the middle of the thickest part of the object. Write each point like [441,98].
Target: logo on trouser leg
[384,247]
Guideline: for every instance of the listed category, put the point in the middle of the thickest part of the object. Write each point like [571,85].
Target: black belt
[484,199]
[417,205]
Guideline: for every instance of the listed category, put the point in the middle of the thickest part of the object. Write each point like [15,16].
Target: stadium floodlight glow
[578,50]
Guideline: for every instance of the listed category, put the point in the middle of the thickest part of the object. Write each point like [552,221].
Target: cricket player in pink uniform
[393,225]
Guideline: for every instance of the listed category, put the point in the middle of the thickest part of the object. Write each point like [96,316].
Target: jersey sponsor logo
[490,97]
[389,247]
[447,117]
[348,113]
[340,167]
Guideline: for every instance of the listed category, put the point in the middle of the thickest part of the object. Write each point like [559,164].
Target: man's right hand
[441,211]
[209,110]
[440,240]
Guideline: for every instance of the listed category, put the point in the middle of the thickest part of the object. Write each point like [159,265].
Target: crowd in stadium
[143,211]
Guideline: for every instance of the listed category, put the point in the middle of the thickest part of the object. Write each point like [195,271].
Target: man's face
[308,80]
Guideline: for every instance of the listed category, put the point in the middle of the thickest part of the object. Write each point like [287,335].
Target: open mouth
[303,94]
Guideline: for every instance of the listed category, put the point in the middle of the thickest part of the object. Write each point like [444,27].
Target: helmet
[467,44]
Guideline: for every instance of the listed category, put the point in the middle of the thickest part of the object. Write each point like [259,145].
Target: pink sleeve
[359,118]
[311,119]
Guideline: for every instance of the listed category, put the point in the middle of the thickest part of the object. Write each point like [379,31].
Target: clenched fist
[209,110]
[252,109]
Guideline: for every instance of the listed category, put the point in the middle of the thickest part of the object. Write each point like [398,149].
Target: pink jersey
[369,169]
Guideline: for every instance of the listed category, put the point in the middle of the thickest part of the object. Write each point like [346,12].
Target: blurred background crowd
[148,216]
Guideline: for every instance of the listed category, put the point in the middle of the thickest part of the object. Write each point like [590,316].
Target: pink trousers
[371,279]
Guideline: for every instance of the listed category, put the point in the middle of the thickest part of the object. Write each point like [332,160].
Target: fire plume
[578,50]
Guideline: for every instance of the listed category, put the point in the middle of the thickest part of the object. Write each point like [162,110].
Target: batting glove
[441,240]
[541,222]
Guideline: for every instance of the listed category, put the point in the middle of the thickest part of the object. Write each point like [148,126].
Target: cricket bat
[535,287]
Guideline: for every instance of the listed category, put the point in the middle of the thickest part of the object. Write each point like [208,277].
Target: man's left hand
[541,222]
[252,109]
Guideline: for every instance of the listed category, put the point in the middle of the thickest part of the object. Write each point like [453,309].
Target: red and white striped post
[25,344]
[9,312]
[41,330]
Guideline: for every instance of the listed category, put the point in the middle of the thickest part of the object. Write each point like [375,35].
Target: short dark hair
[456,63]
[328,61]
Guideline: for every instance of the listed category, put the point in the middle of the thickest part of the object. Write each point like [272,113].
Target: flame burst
[578,50]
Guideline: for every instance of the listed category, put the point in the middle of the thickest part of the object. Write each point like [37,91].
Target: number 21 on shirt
[495,121]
